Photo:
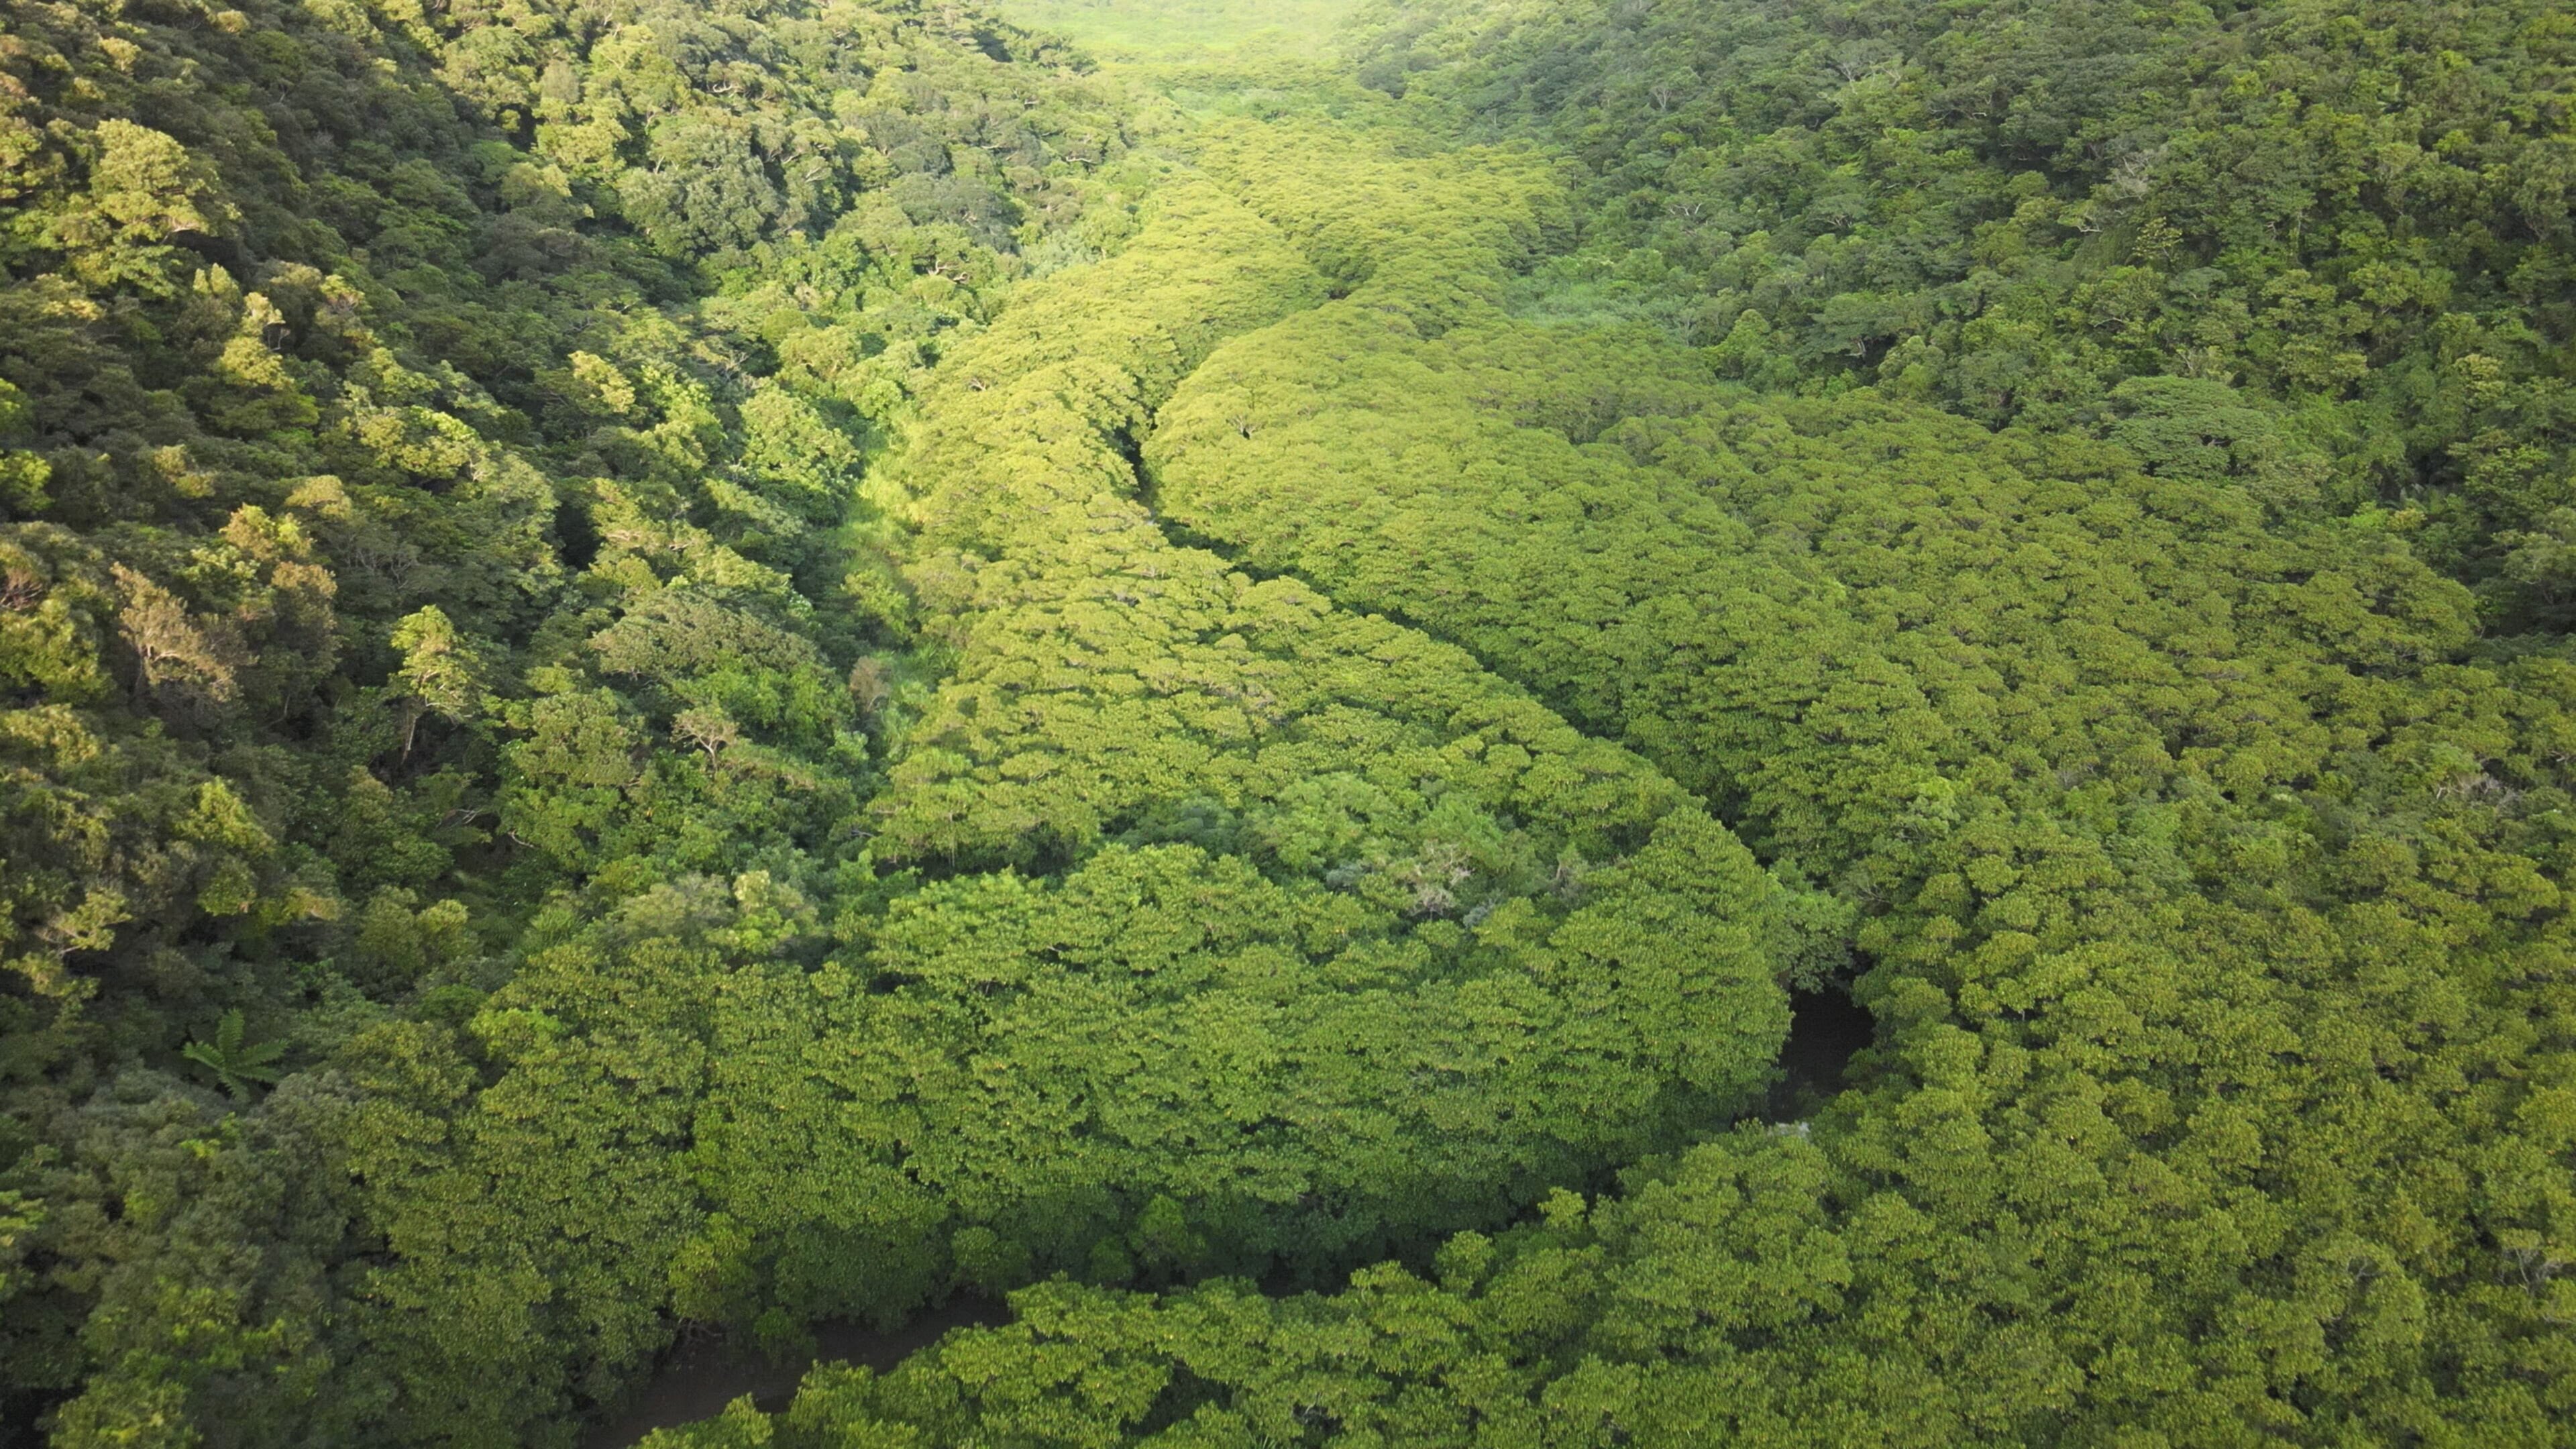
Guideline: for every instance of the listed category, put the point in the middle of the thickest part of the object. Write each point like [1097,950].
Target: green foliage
[431,444]
[1170,1057]
[235,1064]
[1180,30]
[1360,910]
[669,671]
[2347,215]
[2076,729]
[2202,861]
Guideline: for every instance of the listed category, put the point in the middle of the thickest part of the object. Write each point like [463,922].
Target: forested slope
[678,671]
[2349,220]
[514,853]
[433,570]
[2206,869]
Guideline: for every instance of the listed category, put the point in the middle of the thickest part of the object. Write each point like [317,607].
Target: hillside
[1229,672]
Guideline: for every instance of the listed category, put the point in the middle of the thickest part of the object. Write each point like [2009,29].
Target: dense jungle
[1212,687]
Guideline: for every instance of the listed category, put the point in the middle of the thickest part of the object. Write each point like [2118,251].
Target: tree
[440,674]
[235,1065]
[178,654]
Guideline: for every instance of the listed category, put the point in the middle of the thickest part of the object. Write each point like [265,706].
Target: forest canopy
[1226,673]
